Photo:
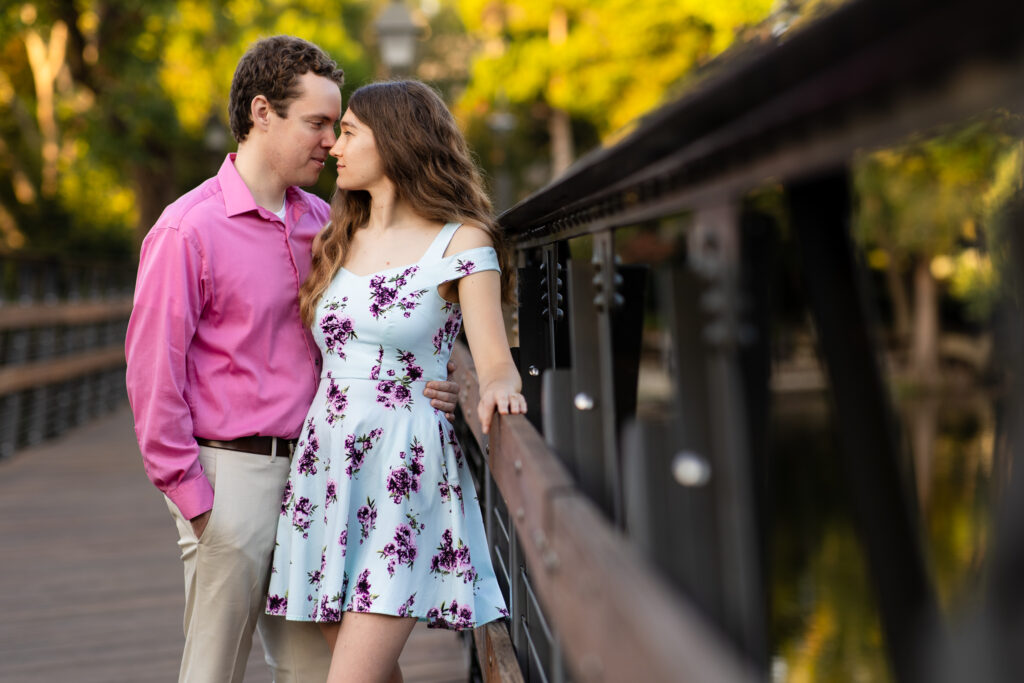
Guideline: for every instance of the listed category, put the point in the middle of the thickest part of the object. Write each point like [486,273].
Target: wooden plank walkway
[90,580]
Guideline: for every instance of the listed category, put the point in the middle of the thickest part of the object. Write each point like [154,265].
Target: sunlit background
[110,110]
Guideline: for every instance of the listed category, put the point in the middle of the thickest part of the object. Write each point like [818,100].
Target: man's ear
[260,110]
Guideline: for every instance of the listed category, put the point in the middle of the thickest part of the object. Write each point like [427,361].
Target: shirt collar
[237,197]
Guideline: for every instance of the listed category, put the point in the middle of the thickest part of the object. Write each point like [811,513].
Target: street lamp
[397,35]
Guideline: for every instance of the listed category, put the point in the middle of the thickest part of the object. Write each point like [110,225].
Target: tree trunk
[922,426]
[152,193]
[898,297]
[46,59]
[924,345]
[560,130]
[559,123]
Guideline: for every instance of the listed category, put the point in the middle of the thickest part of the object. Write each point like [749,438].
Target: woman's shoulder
[469,236]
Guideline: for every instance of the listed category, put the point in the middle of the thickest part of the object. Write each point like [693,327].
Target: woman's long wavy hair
[425,155]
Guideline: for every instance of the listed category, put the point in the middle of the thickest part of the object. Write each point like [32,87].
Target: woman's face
[359,164]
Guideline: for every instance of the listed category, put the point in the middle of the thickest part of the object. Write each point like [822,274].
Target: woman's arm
[500,384]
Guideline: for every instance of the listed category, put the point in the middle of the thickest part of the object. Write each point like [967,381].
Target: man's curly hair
[271,67]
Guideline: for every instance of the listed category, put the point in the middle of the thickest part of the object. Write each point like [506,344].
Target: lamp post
[397,35]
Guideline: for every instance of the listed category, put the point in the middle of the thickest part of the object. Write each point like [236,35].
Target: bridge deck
[90,580]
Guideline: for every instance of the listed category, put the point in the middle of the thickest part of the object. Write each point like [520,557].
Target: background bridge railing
[62,327]
[631,532]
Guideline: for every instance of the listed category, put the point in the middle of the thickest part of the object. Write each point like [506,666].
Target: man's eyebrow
[320,117]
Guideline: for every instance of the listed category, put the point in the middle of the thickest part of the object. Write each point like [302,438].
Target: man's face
[297,146]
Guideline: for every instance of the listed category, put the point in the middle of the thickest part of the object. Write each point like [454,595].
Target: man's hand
[199,524]
[444,396]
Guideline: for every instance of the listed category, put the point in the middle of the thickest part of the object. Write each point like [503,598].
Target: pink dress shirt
[216,348]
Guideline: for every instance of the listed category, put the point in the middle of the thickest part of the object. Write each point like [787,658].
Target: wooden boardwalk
[90,580]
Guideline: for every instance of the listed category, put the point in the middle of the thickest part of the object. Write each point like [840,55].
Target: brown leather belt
[261,445]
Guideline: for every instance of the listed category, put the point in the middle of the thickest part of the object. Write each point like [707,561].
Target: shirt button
[318,362]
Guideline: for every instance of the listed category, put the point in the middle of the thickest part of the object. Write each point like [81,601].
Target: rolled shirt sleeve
[171,290]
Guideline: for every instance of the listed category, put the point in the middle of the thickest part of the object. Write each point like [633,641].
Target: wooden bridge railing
[62,327]
[633,543]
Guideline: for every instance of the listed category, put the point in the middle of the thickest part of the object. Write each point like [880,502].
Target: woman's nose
[335,151]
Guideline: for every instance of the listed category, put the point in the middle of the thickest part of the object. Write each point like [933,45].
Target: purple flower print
[394,394]
[446,334]
[367,516]
[362,600]
[503,611]
[399,483]
[412,371]
[452,616]
[308,460]
[334,304]
[405,607]
[375,370]
[414,523]
[450,490]
[405,479]
[286,498]
[301,514]
[317,575]
[328,612]
[465,267]
[384,298]
[357,448]
[454,443]
[337,331]
[332,493]
[402,550]
[453,560]
[277,604]
[337,401]
[343,541]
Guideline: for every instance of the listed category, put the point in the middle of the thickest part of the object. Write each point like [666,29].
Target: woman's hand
[502,395]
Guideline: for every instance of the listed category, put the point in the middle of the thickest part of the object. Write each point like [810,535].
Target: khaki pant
[226,577]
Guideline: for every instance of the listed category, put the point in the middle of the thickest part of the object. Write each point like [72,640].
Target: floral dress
[379,513]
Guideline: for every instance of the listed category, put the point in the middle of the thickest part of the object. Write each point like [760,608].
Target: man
[221,370]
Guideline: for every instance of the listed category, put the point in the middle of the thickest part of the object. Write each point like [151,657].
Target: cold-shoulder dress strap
[467,262]
[436,249]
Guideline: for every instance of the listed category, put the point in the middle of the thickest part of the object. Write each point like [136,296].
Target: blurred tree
[923,209]
[109,110]
[602,62]
[84,69]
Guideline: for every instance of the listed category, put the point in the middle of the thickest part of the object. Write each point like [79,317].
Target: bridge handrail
[618,619]
[62,323]
[866,74]
[789,114]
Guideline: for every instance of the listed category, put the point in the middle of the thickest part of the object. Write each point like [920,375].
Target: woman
[379,519]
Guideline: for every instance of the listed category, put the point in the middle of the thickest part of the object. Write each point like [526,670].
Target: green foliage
[615,61]
[206,39]
[937,198]
[94,144]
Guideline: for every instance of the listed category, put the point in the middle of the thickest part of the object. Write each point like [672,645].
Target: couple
[277,371]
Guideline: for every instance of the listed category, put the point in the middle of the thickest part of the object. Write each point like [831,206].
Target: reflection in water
[825,623]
